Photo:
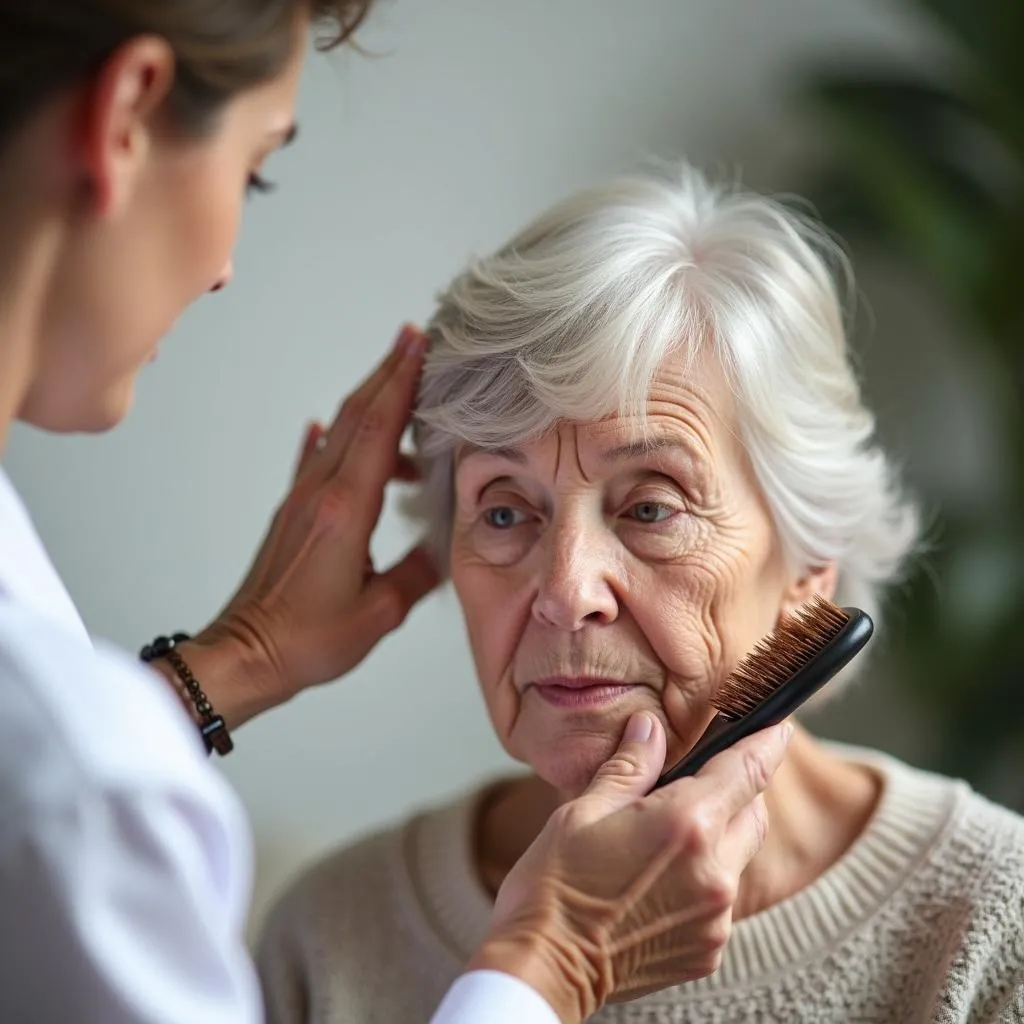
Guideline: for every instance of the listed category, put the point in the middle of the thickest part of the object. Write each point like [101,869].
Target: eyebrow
[643,449]
[510,454]
[620,453]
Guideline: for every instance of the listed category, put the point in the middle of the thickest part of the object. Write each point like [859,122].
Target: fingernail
[416,345]
[787,732]
[638,729]
[406,335]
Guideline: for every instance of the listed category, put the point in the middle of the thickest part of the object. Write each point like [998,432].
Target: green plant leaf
[940,224]
[990,32]
[945,133]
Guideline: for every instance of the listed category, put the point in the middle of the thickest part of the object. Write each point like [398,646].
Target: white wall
[474,115]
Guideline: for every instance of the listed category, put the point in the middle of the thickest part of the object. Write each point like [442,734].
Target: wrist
[230,674]
[545,965]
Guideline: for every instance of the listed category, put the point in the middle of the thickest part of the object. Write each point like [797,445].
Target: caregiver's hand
[313,606]
[624,893]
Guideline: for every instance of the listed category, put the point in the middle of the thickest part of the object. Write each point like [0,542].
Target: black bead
[204,707]
[216,737]
[162,646]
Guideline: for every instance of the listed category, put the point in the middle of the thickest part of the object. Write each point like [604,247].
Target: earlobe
[819,579]
[120,117]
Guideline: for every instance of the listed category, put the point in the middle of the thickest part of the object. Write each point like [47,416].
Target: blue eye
[504,517]
[651,512]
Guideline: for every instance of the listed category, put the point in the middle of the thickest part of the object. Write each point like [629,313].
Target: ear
[120,118]
[819,579]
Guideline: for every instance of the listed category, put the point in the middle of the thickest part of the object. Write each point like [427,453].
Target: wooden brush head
[796,640]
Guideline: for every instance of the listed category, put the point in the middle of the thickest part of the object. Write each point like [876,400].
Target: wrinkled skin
[588,555]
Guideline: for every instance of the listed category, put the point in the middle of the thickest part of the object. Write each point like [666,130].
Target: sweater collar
[913,810]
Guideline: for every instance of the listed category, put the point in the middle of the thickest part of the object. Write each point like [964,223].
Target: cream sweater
[921,920]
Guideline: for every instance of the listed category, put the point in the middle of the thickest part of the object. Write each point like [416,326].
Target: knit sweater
[922,919]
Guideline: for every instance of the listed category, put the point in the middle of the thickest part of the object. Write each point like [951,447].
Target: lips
[580,692]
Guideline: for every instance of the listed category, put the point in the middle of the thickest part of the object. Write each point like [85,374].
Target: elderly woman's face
[599,575]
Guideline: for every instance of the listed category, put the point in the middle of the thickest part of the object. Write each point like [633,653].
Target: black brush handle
[722,733]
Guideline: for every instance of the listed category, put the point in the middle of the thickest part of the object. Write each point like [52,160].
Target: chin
[109,409]
[111,416]
[566,747]
[94,415]
[569,764]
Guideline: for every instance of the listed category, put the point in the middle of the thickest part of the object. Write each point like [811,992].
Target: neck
[818,805]
[30,242]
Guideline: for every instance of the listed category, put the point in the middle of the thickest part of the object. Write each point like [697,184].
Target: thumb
[632,770]
[389,597]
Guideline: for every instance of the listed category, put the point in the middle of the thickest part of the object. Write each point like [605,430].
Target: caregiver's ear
[118,120]
[819,579]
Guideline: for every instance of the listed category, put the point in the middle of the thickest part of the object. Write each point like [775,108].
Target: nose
[225,277]
[577,581]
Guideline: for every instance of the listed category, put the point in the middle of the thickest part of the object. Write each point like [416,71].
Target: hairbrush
[784,669]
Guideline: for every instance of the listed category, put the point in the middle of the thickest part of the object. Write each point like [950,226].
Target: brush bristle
[779,656]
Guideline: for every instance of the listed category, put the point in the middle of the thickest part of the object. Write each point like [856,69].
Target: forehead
[689,406]
[687,395]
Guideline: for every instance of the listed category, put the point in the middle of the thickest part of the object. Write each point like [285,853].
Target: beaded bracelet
[211,726]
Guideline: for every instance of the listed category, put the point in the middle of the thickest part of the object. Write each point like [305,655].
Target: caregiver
[130,130]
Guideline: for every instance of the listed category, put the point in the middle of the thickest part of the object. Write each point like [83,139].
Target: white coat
[125,860]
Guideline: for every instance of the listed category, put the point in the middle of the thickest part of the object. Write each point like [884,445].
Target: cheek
[712,606]
[209,232]
[495,609]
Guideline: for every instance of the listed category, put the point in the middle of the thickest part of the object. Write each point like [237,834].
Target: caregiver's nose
[575,587]
[225,277]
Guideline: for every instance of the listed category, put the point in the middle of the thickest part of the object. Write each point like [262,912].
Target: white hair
[573,318]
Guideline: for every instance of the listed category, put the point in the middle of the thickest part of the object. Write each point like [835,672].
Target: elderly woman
[643,443]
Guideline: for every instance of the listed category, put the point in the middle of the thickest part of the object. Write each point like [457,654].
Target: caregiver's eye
[651,512]
[504,517]
[258,185]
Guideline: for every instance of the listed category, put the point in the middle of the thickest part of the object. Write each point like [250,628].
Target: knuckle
[710,962]
[336,508]
[372,423]
[718,933]
[620,766]
[391,609]
[756,770]
[760,813]
[694,833]
[570,817]
[720,891]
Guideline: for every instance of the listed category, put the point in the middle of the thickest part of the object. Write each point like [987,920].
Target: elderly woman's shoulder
[353,935]
[967,835]
[986,839]
[987,847]
[970,886]
[350,886]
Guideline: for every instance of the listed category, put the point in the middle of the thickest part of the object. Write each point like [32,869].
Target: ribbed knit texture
[921,920]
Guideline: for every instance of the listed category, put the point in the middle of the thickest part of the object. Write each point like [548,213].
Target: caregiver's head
[130,131]
[644,442]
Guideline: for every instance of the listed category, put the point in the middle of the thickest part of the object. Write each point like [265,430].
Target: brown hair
[223,46]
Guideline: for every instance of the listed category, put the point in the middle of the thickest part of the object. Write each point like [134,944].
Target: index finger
[733,778]
[339,434]
[372,453]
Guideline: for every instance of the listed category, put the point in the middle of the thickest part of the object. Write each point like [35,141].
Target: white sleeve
[490,997]
[124,862]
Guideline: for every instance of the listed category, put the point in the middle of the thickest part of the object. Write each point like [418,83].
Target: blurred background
[901,120]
